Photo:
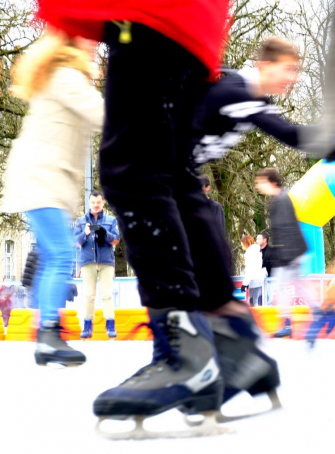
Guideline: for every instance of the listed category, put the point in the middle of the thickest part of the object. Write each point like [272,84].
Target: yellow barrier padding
[301,318]
[71,324]
[268,318]
[126,320]
[99,326]
[22,325]
[312,199]
[2,328]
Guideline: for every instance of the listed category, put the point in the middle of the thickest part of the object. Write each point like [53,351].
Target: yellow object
[268,318]
[71,324]
[99,326]
[312,199]
[22,325]
[2,328]
[125,31]
[301,318]
[126,321]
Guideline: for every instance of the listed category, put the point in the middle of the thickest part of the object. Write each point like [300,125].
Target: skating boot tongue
[166,332]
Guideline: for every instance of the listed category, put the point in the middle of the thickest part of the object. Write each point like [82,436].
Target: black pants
[153,87]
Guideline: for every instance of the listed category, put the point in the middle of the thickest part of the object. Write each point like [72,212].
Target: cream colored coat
[46,163]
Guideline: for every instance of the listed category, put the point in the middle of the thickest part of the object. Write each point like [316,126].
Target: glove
[244,288]
[100,236]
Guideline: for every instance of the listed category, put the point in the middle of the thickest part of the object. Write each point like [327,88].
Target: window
[9,259]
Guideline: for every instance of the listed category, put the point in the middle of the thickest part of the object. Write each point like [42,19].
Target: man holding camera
[97,233]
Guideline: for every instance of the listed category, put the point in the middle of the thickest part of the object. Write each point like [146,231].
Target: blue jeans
[54,239]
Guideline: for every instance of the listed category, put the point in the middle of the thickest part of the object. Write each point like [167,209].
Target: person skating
[44,170]
[324,315]
[157,196]
[288,241]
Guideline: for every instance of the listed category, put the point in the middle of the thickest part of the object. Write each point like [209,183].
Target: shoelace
[166,344]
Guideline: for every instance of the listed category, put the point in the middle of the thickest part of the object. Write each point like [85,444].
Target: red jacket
[198,25]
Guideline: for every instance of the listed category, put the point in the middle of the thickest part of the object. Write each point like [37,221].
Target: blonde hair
[247,241]
[35,68]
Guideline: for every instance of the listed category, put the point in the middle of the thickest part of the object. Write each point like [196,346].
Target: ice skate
[52,349]
[286,331]
[243,366]
[183,374]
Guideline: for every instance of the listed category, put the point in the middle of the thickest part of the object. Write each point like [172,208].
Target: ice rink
[46,410]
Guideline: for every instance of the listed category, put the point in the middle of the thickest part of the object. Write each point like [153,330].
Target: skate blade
[58,365]
[275,405]
[207,425]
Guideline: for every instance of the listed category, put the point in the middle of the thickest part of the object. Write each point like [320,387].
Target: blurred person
[288,242]
[216,207]
[240,102]
[29,280]
[263,240]
[29,277]
[254,274]
[96,233]
[324,315]
[148,176]
[45,166]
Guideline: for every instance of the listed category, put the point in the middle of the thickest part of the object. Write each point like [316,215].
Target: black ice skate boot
[243,366]
[183,374]
[51,348]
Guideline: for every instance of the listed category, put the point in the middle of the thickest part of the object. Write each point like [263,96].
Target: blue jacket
[90,251]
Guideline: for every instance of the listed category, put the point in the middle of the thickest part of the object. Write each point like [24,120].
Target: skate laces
[166,334]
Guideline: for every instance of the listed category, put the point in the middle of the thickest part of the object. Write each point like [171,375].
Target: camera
[95,227]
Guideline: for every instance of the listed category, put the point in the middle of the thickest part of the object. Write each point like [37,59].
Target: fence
[125,293]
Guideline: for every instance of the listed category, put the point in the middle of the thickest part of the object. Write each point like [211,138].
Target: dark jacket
[287,239]
[91,252]
[218,214]
[30,269]
[267,258]
[229,111]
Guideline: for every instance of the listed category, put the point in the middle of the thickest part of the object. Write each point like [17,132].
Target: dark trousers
[152,89]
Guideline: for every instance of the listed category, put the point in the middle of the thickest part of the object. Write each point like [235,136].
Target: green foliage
[233,177]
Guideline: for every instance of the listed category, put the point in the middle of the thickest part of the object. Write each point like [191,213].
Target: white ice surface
[45,410]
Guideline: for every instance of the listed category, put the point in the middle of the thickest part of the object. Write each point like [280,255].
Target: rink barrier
[99,326]
[127,321]
[22,325]
[2,328]
[271,319]
[268,318]
[70,322]
[301,318]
